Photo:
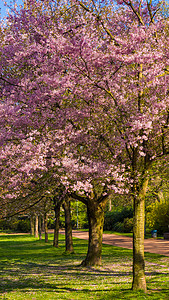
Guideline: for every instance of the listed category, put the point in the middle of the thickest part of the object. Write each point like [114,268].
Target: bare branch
[135,12]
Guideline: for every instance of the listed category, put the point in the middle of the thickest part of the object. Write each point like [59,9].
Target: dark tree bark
[32,223]
[43,224]
[40,227]
[139,280]
[46,227]
[68,227]
[95,212]
[57,219]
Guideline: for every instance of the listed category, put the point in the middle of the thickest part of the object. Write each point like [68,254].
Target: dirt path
[150,245]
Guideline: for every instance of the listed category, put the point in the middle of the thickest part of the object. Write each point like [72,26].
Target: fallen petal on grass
[31,269]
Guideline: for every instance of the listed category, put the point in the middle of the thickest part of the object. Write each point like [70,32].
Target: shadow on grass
[28,264]
[35,284]
[21,275]
[32,284]
[37,277]
[22,247]
[129,294]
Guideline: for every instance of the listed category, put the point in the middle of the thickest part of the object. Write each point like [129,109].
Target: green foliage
[62,219]
[51,223]
[158,183]
[78,215]
[119,227]
[118,200]
[23,225]
[15,225]
[128,225]
[11,224]
[157,217]
[120,220]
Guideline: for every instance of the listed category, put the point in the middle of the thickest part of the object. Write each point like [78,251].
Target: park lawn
[31,269]
[129,234]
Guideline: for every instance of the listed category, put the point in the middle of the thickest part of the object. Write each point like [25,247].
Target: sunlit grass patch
[32,269]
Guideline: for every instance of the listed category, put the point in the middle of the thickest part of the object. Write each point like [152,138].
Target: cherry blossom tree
[83,78]
[124,81]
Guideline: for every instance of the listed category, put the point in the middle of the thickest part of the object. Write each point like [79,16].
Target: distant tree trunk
[40,227]
[56,228]
[32,223]
[46,227]
[43,224]
[139,281]
[95,213]
[68,227]
[36,225]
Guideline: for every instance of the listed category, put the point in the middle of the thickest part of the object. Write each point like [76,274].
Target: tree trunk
[36,226]
[40,227]
[68,227]
[32,223]
[46,227]
[95,213]
[43,224]
[139,281]
[56,229]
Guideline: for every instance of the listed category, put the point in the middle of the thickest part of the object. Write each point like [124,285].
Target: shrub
[14,224]
[23,225]
[4,224]
[118,216]
[157,217]
[111,218]
[119,227]
[11,224]
[128,224]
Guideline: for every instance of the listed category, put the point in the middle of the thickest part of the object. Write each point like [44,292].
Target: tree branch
[78,197]
[22,210]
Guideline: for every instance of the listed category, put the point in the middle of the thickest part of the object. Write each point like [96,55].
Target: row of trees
[84,108]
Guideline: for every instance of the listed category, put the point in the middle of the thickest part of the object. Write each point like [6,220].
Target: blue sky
[9,3]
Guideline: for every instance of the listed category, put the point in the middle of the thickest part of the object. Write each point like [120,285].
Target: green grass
[32,270]
[130,234]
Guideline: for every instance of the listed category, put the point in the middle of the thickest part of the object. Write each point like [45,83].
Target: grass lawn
[31,269]
[130,234]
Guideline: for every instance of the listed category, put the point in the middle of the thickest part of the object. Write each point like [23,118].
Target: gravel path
[150,245]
